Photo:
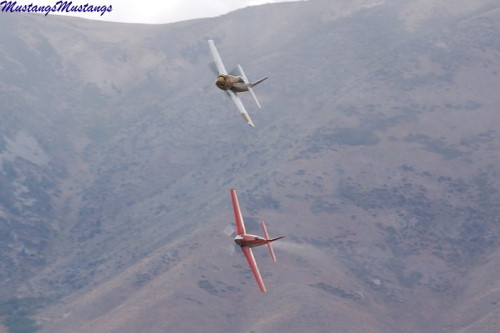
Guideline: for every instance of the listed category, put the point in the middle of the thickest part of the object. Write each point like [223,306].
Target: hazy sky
[157,11]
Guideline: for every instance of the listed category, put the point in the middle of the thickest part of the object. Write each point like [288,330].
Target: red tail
[266,235]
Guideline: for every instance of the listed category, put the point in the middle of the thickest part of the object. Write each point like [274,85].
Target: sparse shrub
[20,324]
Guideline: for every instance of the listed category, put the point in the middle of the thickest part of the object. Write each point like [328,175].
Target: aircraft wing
[216,56]
[240,224]
[253,265]
[241,107]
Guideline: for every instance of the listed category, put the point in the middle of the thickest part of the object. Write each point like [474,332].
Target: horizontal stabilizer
[266,235]
[250,85]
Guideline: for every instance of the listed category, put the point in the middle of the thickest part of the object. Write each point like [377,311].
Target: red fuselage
[250,240]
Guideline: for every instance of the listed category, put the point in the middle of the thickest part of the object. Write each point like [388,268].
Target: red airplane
[247,241]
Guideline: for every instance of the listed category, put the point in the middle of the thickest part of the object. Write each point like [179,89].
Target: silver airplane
[233,85]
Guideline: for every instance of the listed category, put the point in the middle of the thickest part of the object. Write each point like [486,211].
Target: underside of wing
[240,225]
[253,265]
[241,107]
[217,58]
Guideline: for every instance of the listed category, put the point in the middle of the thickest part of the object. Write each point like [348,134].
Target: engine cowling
[221,82]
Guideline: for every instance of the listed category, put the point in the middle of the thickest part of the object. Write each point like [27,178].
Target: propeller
[230,231]
[213,68]
[234,71]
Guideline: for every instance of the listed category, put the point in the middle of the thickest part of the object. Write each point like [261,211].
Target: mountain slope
[375,154]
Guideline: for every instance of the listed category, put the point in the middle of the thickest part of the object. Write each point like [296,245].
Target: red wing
[253,265]
[240,225]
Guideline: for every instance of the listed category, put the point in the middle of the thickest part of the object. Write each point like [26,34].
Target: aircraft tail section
[269,240]
[253,84]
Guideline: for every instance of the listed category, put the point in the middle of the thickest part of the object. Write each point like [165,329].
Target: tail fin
[250,85]
[253,84]
[266,235]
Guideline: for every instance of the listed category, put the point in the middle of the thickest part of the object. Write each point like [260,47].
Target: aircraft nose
[220,82]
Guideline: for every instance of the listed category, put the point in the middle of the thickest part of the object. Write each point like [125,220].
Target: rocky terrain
[376,154]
